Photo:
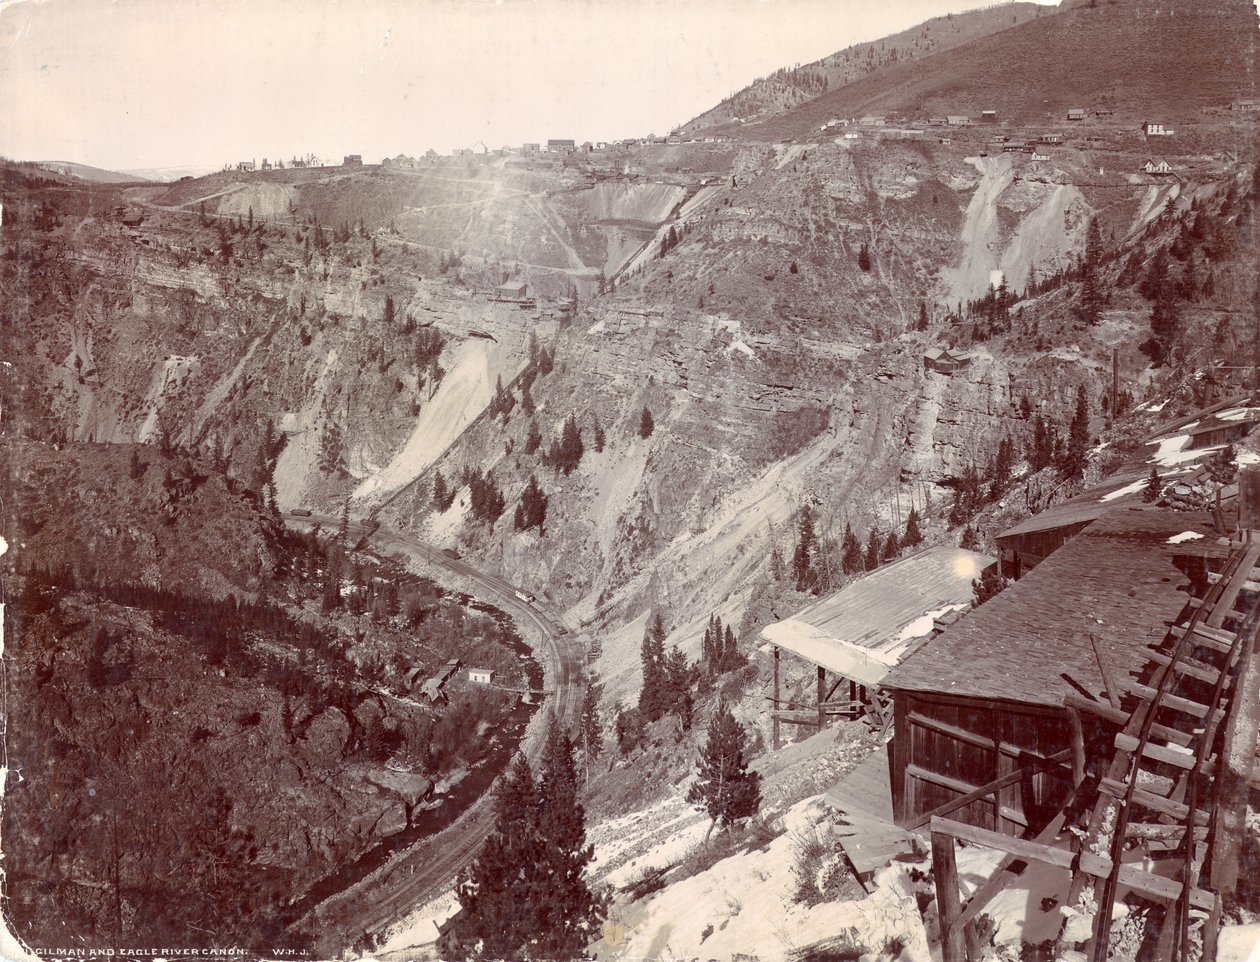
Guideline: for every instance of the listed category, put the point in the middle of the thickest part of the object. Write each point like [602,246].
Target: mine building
[856,635]
[943,360]
[352,160]
[481,676]
[1076,113]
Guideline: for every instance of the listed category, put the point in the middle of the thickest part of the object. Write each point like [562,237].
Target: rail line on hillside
[426,869]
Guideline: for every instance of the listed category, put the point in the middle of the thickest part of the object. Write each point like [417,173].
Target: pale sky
[154,83]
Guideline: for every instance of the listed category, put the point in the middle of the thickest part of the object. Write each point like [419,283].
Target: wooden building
[352,160]
[1157,166]
[945,361]
[985,699]
[1155,129]
[860,632]
[1076,113]
[511,291]
[481,676]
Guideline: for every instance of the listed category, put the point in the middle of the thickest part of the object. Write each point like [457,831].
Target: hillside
[93,175]
[771,96]
[1143,62]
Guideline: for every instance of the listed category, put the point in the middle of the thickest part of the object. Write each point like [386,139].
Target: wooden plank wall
[945,747]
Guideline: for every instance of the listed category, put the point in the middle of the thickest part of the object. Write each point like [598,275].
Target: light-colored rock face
[777,371]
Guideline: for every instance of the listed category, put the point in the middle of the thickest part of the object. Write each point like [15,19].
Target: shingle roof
[1118,579]
[865,627]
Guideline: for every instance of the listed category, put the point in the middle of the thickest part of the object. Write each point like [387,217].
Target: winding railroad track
[429,867]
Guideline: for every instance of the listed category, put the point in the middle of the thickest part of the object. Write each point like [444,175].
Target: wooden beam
[1188,666]
[1175,702]
[1147,883]
[822,682]
[1078,744]
[989,789]
[1156,803]
[1112,692]
[774,723]
[1160,753]
[1205,637]
[945,874]
[1120,717]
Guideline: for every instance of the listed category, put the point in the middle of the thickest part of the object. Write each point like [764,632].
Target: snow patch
[1185,536]
[923,624]
[1128,489]
[4,547]
[421,927]
[1247,457]
[742,348]
[1237,414]
[1175,457]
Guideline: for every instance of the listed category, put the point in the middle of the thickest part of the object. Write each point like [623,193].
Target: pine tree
[871,561]
[533,439]
[443,497]
[678,686]
[803,569]
[969,540]
[652,658]
[724,787]
[851,552]
[922,323]
[1091,292]
[864,257]
[591,724]
[597,437]
[1076,457]
[891,547]
[913,535]
[532,511]
[646,424]
[1154,486]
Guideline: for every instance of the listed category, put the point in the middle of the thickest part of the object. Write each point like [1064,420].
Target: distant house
[944,361]
[957,120]
[530,148]
[1051,138]
[481,676]
[352,160]
[560,146]
[988,116]
[245,165]
[1152,129]
[871,120]
[1245,105]
[938,121]
[1076,113]
[1038,155]
[512,290]
[1159,166]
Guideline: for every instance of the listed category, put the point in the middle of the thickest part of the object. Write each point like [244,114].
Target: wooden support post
[1113,694]
[774,724]
[1078,744]
[822,684]
[948,902]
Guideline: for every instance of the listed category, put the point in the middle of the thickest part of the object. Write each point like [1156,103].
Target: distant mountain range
[98,175]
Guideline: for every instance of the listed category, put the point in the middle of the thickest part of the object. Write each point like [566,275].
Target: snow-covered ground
[744,907]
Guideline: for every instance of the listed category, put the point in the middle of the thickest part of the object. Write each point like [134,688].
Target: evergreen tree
[922,323]
[678,675]
[591,723]
[803,569]
[724,788]
[913,535]
[387,319]
[1091,289]
[986,586]
[871,561]
[1154,486]
[891,547]
[864,257]
[443,497]
[533,439]
[646,424]
[532,511]
[597,437]
[851,552]
[969,540]
[1076,457]
[652,703]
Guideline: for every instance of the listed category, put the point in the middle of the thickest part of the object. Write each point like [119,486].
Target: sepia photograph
[630,481]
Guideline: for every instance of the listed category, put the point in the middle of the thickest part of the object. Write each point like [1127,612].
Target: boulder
[409,787]
[325,739]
